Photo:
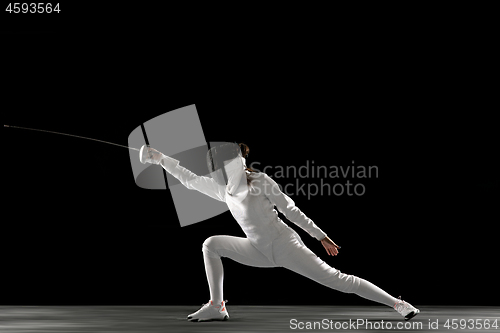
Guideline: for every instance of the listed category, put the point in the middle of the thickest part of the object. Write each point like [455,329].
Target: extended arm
[205,185]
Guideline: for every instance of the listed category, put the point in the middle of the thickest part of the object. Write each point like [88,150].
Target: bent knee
[210,247]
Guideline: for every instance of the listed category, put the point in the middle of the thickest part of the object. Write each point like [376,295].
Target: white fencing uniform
[270,242]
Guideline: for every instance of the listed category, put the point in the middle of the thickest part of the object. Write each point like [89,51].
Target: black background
[417,104]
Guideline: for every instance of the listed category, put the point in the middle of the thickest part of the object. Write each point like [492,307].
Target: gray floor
[243,319]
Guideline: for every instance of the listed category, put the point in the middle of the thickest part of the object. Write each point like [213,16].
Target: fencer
[251,198]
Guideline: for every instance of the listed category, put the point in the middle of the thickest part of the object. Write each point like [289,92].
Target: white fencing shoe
[209,312]
[406,309]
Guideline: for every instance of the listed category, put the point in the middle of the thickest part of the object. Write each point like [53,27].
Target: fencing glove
[149,155]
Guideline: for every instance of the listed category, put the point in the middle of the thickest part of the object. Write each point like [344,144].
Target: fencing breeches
[289,252]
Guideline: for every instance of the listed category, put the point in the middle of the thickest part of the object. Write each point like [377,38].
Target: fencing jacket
[255,212]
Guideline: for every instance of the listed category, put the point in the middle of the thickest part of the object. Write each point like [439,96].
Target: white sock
[215,277]
[370,291]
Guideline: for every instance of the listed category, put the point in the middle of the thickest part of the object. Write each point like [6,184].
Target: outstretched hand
[155,155]
[330,247]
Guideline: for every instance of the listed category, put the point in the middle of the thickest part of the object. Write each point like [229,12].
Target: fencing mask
[227,168]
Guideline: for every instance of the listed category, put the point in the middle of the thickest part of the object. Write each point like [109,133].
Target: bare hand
[330,247]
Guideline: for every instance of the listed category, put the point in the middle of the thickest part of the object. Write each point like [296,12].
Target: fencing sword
[76,136]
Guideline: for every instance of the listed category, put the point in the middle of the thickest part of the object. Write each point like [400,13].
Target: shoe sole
[412,314]
[226,317]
